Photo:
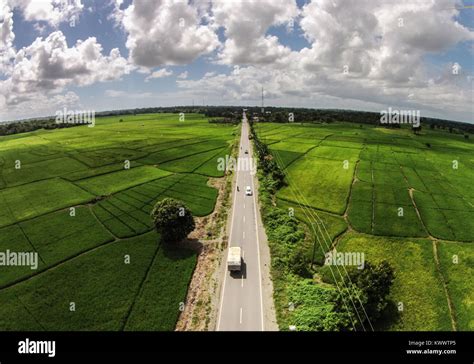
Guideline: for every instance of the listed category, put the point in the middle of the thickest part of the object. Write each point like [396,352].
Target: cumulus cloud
[159,74]
[183,75]
[165,33]
[290,87]
[341,33]
[40,105]
[54,12]
[360,53]
[244,83]
[370,53]
[48,65]
[51,63]
[246,24]
[378,40]
[7,51]
[37,75]
[6,25]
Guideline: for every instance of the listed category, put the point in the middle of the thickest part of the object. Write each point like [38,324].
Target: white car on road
[248,191]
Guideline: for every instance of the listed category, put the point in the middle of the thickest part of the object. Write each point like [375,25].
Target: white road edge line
[241,315]
[258,252]
[228,244]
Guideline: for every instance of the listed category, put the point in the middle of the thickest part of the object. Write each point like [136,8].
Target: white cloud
[40,28]
[378,40]
[54,12]
[165,33]
[128,95]
[246,24]
[6,25]
[36,75]
[385,62]
[159,74]
[7,51]
[114,93]
[383,45]
[49,65]
[183,75]
[40,105]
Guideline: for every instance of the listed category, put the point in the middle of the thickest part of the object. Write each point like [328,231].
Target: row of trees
[225,120]
[233,114]
[26,126]
[301,115]
[274,174]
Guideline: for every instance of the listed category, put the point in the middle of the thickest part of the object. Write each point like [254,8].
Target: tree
[367,290]
[172,219]
[280,117]
[375,281]
[299,263]
[349,303]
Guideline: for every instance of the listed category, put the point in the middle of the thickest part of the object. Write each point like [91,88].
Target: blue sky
[296,50]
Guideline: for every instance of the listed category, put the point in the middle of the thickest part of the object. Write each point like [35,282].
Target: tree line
[233,114]
[25,126]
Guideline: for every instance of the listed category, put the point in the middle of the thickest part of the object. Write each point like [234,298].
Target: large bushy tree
[172,219]
[365,296]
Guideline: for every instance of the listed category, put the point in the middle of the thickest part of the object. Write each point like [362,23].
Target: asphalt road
[241,305]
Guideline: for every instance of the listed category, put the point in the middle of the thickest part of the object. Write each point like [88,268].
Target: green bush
[313,307]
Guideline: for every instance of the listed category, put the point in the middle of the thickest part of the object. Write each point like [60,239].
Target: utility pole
[263,110]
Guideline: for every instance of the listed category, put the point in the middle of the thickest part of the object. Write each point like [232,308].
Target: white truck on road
[234,259]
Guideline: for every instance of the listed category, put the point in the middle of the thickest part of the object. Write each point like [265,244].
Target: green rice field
[392,195]
[81,199]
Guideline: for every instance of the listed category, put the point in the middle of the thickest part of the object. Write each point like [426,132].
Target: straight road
[241,305]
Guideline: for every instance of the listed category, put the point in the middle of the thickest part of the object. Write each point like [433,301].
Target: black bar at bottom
[431,346]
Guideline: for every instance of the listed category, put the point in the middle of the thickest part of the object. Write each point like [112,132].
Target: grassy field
[385,192]
[109,183]
[457,263]
[418,286]
[37,198]
[162,296]
[391,194]
[81,199]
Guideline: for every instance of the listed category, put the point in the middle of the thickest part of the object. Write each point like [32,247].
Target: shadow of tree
[390,316]
[182,250]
